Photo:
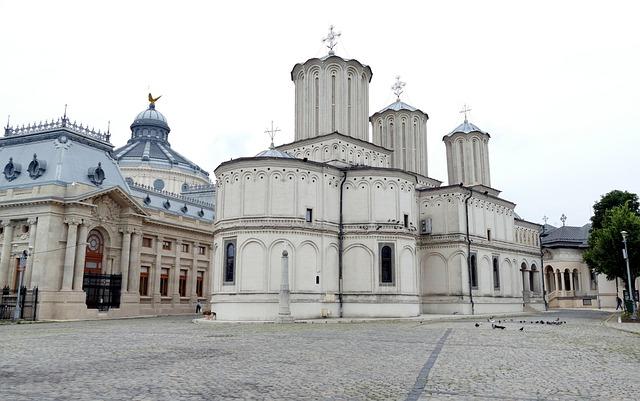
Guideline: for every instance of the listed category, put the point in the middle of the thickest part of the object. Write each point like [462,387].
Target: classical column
[561,278]
[6,253]
[32,243]
[157,270]
[70,253]
[134,262]
[194,272]
[175,294]
[124,257]
[284,310]
[81,251]
[571,282]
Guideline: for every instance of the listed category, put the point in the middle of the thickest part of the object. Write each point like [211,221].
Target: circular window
[158,184]
[93,243]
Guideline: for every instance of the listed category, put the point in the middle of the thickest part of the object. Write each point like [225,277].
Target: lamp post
[17,312]
[634,315]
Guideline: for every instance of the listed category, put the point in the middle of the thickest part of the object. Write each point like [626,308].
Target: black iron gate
[103,290]
[28,303]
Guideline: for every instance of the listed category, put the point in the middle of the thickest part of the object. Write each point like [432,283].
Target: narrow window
[349,106]
[309,215]
[182,284]
[230,262]
[164,282]
[474,271]
[404,147]
[199,284]
[488,235]
[166,245]
[317,279]
[144,281]
[496,273]
[185,247]
[406,221]
[317,90]
[202,250]
[333,102]
[386,264]
[146,242]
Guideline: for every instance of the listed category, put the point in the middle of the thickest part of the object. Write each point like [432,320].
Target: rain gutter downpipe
[466,208]
[340,245]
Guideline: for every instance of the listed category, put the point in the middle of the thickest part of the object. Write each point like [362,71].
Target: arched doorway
[567,280]
[533,278]
[576,280]
[551,282]
[95,253]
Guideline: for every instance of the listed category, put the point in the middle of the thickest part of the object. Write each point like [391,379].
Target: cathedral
[142,230]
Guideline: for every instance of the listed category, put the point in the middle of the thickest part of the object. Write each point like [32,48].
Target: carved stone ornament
[12,170]
[106,209]
[167,204]
[36,167]
[62,142]
[96,174]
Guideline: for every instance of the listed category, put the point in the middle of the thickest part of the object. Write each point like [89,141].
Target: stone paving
[170,358]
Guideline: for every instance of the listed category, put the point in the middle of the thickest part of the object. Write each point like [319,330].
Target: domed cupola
[403,129]
[468,154]
[150,123]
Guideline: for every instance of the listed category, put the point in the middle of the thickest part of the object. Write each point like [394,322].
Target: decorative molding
[37,167]
[96,174]
[12,170]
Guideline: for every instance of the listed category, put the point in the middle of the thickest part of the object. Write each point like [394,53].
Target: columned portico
[6,252]
[70,253]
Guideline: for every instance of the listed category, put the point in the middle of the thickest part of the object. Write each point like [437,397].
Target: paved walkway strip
[421,380]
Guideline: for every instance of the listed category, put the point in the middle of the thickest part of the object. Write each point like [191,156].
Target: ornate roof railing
[56,124]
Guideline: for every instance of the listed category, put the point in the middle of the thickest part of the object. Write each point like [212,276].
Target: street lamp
[625,254]
[17,312]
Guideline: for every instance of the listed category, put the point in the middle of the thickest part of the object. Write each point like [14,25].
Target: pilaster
[70,253]
[6,253]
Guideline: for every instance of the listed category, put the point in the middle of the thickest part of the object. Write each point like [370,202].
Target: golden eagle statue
[153,100]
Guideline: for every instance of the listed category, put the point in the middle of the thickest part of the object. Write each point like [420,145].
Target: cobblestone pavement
[171,358]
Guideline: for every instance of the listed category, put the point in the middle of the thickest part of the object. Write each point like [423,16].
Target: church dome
[466,127]
[150,117]
[272,152]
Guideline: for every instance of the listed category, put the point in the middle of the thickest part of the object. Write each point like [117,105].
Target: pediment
[111,202]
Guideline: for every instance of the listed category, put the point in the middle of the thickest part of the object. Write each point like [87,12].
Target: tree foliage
[604,254]
[611,200]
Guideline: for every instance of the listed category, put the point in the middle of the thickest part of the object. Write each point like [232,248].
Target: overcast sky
[556,84]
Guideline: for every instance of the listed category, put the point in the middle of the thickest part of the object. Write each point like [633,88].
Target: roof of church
[273,152]
[149,143]
[465,128]
[332,56]
[399,106]
[566,236]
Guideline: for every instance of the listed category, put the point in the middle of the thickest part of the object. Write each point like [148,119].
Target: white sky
[556,84]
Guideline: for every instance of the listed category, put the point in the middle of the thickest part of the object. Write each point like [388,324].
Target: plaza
[171,358]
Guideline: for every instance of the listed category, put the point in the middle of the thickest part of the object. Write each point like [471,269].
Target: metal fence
[28,303]
[103,290]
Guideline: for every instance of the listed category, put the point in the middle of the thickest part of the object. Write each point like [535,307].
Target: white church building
[367,231]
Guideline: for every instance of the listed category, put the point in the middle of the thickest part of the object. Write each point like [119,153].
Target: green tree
[611,200]
[604,254]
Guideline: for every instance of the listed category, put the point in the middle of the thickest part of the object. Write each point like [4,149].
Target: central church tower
[332,94]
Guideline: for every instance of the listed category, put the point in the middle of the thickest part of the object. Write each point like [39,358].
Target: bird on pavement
[521,328]
[495,326]
[477,324]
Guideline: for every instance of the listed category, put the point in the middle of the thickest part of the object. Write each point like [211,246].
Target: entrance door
[94,254]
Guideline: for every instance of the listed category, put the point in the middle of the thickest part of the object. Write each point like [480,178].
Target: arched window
[386,264]
[230,262]
[593,279]
[496,274]
[94,254]
[474,271]
[533,279]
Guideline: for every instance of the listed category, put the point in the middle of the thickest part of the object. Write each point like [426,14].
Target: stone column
[175,280]
[70,253]
[81,252]
[571,281]
[32,243]
[134,262]
[561,277]
[194,273]
[5,258]
[125,251]
[157,271]
[284,311]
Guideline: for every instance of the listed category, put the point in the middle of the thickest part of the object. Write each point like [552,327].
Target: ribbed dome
[271,152]
[465,128]
[150,116]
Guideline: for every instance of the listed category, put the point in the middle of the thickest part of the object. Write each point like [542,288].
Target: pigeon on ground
[521,328]
[477,324]
[495,326]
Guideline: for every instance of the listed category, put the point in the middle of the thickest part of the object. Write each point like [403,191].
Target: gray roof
[399,106]
[173,203]
[273,152]
[566,236]
[149,143]
[467,127]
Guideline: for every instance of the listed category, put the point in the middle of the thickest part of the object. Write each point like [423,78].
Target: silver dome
[271,152]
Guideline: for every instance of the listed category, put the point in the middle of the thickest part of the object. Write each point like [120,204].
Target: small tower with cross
[468,153]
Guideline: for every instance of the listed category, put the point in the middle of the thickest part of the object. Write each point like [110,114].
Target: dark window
[144,281]
[202,250]
[488,235]
[386,264]
[146,242]
[406,221]
[230,262]
[166,245]
[532,282]
[309,215]
[164,282]
[474,271]
[182,285]
[185,247]
[317,279]
[496,273]
[199,284]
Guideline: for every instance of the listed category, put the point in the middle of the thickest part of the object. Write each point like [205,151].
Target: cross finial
[545,219]
[398,87]
[108,127]
[563,219]
[331,40]
[8,121]
[465,110]
[272,133]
